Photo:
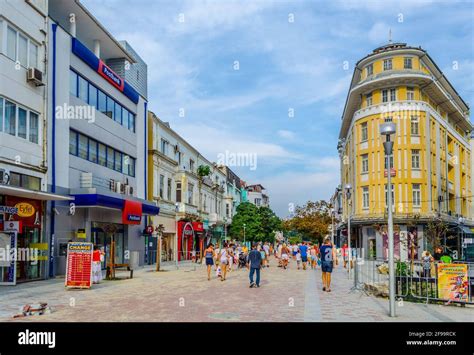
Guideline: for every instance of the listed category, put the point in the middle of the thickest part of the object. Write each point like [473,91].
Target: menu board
[79,265]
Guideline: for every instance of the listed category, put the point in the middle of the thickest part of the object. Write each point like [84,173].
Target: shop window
[73,83]
[102,104]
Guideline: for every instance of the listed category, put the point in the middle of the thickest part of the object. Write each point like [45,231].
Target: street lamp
[244,233]
[387,129]
[176,246]
[348,188]
[332,225]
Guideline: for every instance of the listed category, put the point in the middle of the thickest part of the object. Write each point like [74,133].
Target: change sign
[79,265]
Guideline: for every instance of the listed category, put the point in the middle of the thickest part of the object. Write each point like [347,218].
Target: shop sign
[81,234]
[25,209]
[188,230]
[198,226]
[79,265]
[453,282]
[12,226]
[8,209]
[132,212]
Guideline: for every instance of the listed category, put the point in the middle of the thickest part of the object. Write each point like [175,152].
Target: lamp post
[244,233]
[387,129]
[348,188]
[176,246]
[332,225]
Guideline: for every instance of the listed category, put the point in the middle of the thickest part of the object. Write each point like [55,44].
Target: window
[34,128]
[72,143]
[191,164]
[125,118]
[368,99]
[370,69]
[102,155]
[169,190]
[25,181]
[162,186]
[414,126]
[164,146]
[415,159]
[365,163]
[1,101]
[178,192]
[21,123]
[83,89]
[118,113]
[10,118]
[102,104]
[387,64]
[82,147]
[131,167]
[227,210]
[33,60]
[384,95]
[386,196]
[410,93]
[92,96]
[407,63]
[416,195]
[365,197]
[190,193]
[110,108]
[131,121]
[178,158]
[118,161]
[11,43]
[93,151]
[393,94]
[391,162]
[364,131]
[110,158]
[23,50]
[73,83]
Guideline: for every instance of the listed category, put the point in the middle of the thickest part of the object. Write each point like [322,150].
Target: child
[218,272]
[298,259]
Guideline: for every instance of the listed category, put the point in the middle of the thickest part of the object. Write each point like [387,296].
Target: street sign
[79,265]
[393,172]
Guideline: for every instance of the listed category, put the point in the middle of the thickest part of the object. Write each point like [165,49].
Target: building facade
[257,195]
[97,136]
[191,206]
[431,161]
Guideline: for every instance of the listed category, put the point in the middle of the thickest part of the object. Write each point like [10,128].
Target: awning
[98,200]
[35,195]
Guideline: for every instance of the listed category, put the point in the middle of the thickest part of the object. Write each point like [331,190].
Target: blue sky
[191,48]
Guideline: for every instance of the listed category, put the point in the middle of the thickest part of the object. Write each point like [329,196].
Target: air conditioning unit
[35,75]
[118,186]
[128,190]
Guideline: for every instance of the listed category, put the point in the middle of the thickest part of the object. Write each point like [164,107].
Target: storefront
[22,221]
[190,239]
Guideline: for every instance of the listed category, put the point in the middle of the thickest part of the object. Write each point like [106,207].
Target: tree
[261,223]
[311,221]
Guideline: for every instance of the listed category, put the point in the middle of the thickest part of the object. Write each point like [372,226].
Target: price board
[79,265]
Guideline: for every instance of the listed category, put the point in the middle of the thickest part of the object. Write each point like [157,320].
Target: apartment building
[432,157]
[257,195]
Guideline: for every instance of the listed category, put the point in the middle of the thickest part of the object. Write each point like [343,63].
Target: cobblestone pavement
[186,295]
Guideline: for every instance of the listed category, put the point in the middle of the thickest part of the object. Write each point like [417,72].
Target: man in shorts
[327,262]
[304,254]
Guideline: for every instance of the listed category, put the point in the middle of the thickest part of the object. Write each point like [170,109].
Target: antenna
[390,35]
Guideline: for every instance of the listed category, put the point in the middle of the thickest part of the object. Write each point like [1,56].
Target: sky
[269,78]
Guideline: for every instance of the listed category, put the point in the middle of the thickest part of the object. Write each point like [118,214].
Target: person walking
[254,261]
[224,261]
[427,260]
[209,254]
[304,254]
[327,263]
[345,254]
[313,257]
[285,255]
[266,247]
[97,257]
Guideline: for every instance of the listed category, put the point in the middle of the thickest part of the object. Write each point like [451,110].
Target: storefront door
[104,240]
[8,240]
[28,269]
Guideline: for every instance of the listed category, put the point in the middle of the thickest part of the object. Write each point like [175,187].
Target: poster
[79,265]
[453,282]
[8,241]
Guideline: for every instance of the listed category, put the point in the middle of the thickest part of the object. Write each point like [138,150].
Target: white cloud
[378,34]
[283,133]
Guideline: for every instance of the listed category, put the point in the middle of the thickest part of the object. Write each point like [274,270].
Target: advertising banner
[453,282]
[79,265]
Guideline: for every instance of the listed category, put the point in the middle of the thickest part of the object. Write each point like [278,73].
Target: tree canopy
[261,223]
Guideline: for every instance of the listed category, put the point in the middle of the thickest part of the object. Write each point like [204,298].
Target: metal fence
[413,280]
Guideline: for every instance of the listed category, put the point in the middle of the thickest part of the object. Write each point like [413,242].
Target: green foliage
[203,170]
[261,223]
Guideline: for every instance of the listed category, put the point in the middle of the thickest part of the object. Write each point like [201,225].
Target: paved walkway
[186,295]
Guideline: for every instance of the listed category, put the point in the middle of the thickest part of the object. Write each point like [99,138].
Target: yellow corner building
[431,161]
